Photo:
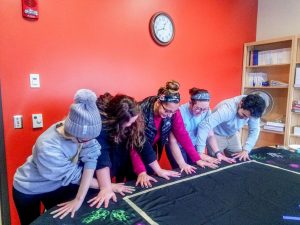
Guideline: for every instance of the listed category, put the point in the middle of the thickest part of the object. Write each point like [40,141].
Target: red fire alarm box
[30,9]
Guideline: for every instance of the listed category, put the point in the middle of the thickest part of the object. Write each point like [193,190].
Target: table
[261,191]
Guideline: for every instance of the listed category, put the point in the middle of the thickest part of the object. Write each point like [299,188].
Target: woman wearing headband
[162,117]
[193,112]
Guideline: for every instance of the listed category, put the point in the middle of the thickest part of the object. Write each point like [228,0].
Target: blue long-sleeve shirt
[52,164]
[191,122]
[225,121]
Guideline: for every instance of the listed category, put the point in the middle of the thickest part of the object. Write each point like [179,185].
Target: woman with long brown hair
[123,130]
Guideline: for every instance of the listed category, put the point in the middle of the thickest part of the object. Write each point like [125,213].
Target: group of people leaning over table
[116,137]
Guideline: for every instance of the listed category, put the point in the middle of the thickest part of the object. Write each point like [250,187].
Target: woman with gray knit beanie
[53,174]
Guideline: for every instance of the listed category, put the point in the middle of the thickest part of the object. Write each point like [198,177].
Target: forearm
[175,150]
[202,136]
[90,153]
[212,141]
[84,184]
[103,177]
[137,163]
[146,153]
[250,143]
[253,134]
[207,126]
[183,137]
[190,150]
[155,166]
[94,184]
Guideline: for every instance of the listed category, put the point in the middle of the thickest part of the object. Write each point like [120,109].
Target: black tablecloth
[257,192]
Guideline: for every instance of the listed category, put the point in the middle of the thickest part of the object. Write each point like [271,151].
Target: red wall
[105,46]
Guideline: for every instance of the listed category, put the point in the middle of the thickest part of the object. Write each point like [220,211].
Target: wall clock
[162,28]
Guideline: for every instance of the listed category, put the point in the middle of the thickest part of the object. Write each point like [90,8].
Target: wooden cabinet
[294,118]
[269,67]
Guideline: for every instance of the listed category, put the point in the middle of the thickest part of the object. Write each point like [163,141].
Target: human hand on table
[121,188]
[104,196]
[209,159]
[188,169]
[66,208]
[167,173]
[144,180]
[203,164]
[241,156]
[222,157]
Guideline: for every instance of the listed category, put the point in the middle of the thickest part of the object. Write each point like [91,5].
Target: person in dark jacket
[123,130]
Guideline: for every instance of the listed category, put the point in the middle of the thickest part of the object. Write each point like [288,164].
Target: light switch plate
[35,80]
[18,121]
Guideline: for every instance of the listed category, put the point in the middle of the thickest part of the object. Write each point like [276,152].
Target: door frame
[5,215]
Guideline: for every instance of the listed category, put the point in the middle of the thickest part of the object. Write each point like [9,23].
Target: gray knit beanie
[84,119]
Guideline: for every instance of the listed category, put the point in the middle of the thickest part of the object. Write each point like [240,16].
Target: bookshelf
[247,87]
[294,119]
[276,60]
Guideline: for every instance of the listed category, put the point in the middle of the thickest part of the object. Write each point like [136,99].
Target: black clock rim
[151,27]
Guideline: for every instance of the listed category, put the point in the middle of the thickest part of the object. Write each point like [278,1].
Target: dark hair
[197,91]
[117,110]
[254,104]
[169,93]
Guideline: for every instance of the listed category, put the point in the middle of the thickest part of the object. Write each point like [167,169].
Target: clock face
[162,28]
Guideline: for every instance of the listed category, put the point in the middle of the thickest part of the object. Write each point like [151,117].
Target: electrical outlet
[18,121]
[37,120]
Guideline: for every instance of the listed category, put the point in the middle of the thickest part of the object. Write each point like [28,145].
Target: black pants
[28,206]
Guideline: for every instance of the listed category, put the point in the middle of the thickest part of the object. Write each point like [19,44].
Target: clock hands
[163,27]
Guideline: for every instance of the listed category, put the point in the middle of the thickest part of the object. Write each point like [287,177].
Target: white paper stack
[274,126]
[294,146]
[297,77]
[277,83]
[277,56]
[296,130]
[256,79]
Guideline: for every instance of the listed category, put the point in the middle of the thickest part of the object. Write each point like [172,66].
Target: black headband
[202,96]
[170,98]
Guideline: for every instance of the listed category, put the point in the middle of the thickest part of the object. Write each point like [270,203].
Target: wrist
[106,190]
[79,198]
[142,173]
[106,187]
[182,164]
[217,152]
[199,162]
[114,187]
[94,184]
